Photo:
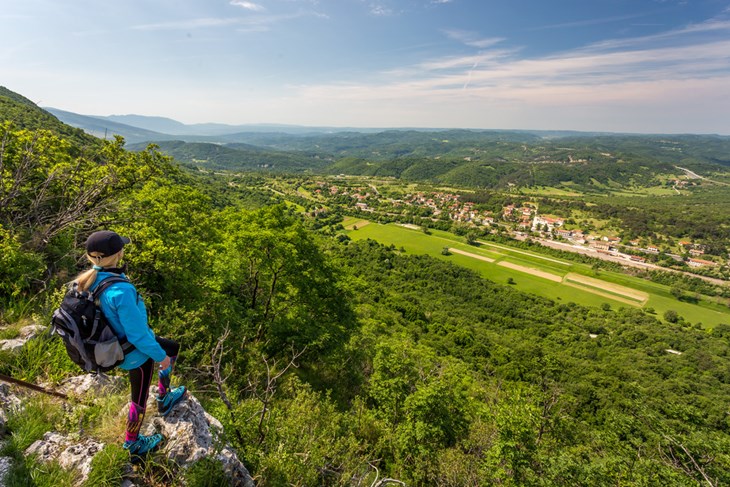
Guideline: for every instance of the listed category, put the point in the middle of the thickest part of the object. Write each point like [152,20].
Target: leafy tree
[45,189]
[671,316]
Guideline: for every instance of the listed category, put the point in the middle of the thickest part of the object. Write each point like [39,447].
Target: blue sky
[645,66]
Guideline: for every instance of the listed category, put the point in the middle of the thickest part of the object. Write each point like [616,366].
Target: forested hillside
[333,362]
[496,159]
[23,113]
[234,157]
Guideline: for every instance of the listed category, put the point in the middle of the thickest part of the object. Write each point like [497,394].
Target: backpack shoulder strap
[104,284]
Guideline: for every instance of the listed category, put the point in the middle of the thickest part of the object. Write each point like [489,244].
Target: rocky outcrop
[26,333]
[8,403]
[5,464]
[97,384]
[70,454]
[191,434]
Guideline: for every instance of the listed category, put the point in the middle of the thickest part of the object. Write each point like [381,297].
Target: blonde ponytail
[87,278]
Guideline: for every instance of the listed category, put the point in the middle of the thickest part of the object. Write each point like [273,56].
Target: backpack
[90,340]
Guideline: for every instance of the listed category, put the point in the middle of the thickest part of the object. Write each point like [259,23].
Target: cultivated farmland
[542,275]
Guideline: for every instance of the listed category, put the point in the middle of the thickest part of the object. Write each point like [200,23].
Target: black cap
[105,242]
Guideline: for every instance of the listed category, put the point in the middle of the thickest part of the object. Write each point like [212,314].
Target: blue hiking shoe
[173,396]
[142,446]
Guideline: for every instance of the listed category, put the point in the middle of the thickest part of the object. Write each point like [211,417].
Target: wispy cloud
[623,74]
[252,23]
[678,35]
[588,22]
[472,38]
[255,7]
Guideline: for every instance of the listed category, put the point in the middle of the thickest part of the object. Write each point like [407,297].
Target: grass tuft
[108,467]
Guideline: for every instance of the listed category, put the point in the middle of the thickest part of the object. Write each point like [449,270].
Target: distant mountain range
[141,128]
[476,158]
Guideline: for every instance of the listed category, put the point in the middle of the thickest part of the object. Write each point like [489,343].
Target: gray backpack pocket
[108,353]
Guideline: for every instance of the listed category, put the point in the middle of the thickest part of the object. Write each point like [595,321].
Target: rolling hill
[593,162]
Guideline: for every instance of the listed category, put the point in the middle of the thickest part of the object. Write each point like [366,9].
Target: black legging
[141,377]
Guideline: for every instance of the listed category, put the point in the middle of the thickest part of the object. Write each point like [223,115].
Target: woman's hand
[165,363]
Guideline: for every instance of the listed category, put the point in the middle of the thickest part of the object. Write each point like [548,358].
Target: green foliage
[207,472]
[28,424]
[233,157]
[173,231]
[32,473]
[38,415]
[108,467]
[17,266]
[43,357]
[308,442]
[24,114]
[47,189]
[671,316]
[280,282]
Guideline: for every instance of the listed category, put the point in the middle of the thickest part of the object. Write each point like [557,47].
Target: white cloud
[255,7]
[640,84]
[187,24]
[380,10]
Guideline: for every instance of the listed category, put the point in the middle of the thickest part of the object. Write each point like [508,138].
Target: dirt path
[525,253]
[598,287]
[358,224]
[531,271]
[468,254]
[633,294]
[605,295]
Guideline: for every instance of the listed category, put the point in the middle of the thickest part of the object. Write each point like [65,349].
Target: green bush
[17,266]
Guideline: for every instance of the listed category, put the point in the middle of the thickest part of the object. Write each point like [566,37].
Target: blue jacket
[126,312]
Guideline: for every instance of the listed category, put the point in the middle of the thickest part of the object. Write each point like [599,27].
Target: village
[520,222]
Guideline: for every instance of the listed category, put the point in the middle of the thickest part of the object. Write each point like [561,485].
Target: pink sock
[134,421]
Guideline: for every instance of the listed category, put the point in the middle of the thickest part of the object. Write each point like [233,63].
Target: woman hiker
[124,309]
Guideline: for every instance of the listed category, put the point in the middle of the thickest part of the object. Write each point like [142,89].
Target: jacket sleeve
[133,317]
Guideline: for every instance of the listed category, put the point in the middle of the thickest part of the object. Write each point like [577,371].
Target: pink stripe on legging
[142,391]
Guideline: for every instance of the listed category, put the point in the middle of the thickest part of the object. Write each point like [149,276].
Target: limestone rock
[192,434]
[69,453]
[97,384]
[79,456]
[5,464]
[26,333]
[8,403]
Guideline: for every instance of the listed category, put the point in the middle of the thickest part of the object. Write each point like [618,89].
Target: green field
[709,314]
